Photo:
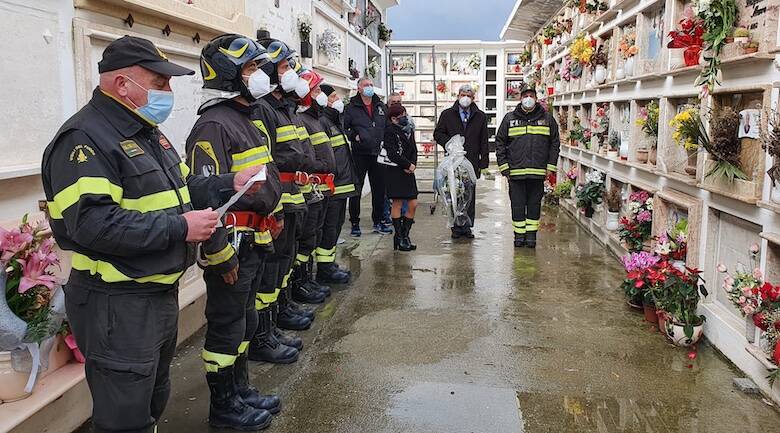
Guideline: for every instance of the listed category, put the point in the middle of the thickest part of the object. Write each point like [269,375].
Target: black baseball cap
[130,50]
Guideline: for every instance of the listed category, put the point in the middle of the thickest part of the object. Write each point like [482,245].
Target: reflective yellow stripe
[302,133]
[222,256]
[285,133]
[288,198]
[518,223]
[503,167]
[319,138]
[279,208]
[262,300]
[302,258]
[527,171]
[250,158]
[519,230]
[85,185]
[323,187]
[326,256]
[305,189]
[324,252]
[286,279]
[209,149]
[338,140]
[243,347]
[263,238]
[110,274]
[552,167]
[157,201]
[532,225]
[261,126]
[539,130]
[185,170]
[344,189]
[517,130]
[217,361]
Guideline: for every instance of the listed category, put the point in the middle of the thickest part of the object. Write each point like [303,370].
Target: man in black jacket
[364,122]
[466,119]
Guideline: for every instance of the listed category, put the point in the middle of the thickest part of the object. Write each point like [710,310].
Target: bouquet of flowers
[565,69]
[674,245]
[581,50]
[627,46]
[648,119]
[572,174]
[525,57]
[590,194]
[600,58]
[595,6]
[636,227]
[689,36]
[577,133]
[686,126]
[743,286]
[441,87]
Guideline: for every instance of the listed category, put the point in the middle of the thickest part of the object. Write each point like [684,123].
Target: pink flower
[728,281]
[722,268]
[757,274]
[742,300]
[754,249]
[13,242]
[34,272]
[748,309]
[747,291]
[644,216]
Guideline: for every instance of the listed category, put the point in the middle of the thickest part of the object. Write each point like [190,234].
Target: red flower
[758,320]
[776,354]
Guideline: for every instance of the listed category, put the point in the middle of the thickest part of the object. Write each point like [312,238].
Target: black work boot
[264,347]
[306,295]
[398,234]
[249,393]
[311,283]
[286,317]
[288,340]
[228,409]
[530,240]
[332,274]
[408,222]
[519,240]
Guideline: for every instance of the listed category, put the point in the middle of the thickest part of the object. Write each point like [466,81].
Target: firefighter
[120,198]
[322,187]
[328,271]
[527,146]
[224,140]
[274,307]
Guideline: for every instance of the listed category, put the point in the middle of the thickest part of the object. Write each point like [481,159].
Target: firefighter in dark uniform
[275,309]
[121,199]
[304,287]
[328,271]
[224,140]
[527,146]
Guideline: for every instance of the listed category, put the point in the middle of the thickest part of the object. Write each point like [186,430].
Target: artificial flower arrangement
[572,174]
[742,286]
[600,58]
[686,130]
[600,124]
[304,26]
[525,57]
[719,17]
[595,6]
[690,36]
[385,33]
[441,87]
[577,133]
[329,43]
[581,49]
[723,144]
[647,119]
[548,34]
[770,140]
[627,45]
[590,194]
[673,245]
[636,227]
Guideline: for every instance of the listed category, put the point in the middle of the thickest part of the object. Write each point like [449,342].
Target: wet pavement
[476,336]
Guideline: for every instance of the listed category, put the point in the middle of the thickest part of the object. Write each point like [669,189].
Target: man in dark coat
[466,119]
[364,122]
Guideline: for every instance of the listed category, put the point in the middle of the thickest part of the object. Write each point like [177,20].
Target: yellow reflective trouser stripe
[286,279]
[326,256]
[222,256]
[343,189]
[185,170]
[527,171]
[288,198]
[539,130]
[157,201]
[532,225]
[302,133]
[243,347]
[263,238]
[305,189]
[552,167]
[319,138]
[517,130]
[503,167]
[338,140]
[250,158]
[85,185]
[217,361]
[301,258]
[519,227]
[264,300]
[285,133]
[110,274]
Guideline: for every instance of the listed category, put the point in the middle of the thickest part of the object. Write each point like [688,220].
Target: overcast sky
[449,19]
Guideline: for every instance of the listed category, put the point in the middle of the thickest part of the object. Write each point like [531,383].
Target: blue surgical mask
[368,91]
[159,104]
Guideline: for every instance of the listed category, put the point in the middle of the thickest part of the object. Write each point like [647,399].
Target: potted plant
[385,33]
[614,144]
[648,121]
[614,201]
[636,227]
[635,284]
[686,132]
[751,47]
[741,35]
[678,293]
[589,194]
[304,30]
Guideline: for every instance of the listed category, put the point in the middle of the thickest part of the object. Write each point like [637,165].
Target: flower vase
[676,58]
[651,315]
[624,150]
[600,75]
[12,382]
[692,56]
[652,155]
[774,193]
[642,155]
[628,67]
[690,168]
[589,212]
[620,74]
[613,221]
[750,329]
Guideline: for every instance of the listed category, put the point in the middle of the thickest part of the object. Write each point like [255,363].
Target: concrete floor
[480,337]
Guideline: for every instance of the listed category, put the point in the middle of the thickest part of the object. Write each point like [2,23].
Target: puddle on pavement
[455,408]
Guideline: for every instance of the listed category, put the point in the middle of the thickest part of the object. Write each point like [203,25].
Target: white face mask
[302,88]
[338,106]
[259,84]
[322,100]
[528,102]
[289,80]
[465,101]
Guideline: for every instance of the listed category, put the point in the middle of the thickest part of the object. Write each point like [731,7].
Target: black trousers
[335,214]
[278,264]
[470,211]
[311,229]
[366,164]
[230,309]
[526,197]
[128,341]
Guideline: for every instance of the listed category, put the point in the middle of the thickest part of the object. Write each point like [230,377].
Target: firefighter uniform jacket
[116,189]
[345,171]
[527,144]
[288,151]
[325,161]
[225,140]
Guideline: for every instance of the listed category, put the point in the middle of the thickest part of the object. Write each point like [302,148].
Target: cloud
[449,19]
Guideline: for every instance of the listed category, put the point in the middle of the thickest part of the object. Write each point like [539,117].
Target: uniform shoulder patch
[81,153]
[131,148]
[165,143]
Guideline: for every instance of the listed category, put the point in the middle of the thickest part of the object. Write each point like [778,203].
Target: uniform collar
[119,115]
[275,103]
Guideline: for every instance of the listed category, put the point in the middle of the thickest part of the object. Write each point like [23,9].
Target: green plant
[385,33]
[304,27]
[648,119]
[563,189]
[590,194]
[677,292]
[741,32]
[719,17]
[613,199]
[614,141]
[725,146]
[549,32]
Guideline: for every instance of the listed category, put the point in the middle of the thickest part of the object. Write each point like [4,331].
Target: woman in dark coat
[400,183]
